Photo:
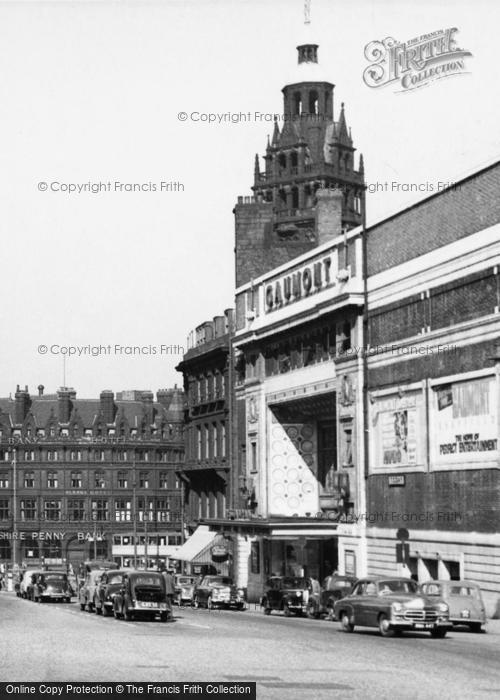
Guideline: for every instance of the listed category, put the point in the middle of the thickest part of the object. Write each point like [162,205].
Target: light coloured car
[394,605]
[87,595]
[26,584]
[464,600]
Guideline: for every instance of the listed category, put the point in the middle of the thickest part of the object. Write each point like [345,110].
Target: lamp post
[14,509]
[134,515]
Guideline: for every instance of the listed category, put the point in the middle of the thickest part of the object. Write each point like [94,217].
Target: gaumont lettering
[416,62]
[301,283]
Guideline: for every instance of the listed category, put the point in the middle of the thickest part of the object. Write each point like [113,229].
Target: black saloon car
[109,585]
[289,594]
[141,594]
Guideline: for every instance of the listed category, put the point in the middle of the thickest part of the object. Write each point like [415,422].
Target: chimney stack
[147,398]
[22,404]
[328,214]
[65,395]
[107,399]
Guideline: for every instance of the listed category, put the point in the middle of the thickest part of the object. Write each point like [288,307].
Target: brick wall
[471,206]
[463,501]
[470,297]
[463,359]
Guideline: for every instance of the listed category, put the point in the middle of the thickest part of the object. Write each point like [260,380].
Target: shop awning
[199,541]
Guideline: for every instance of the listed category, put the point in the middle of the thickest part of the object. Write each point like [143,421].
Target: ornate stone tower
[308,151]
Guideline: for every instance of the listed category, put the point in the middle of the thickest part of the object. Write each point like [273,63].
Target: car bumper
[406,625]
[149,608]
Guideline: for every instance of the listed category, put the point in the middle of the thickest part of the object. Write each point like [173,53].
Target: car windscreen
[55,577]
[117,578]
[185,581]
[464,590]
[146,581]
[292,582]
[394,586]
[219,581]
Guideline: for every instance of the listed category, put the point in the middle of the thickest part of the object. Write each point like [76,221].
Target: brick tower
[308,151]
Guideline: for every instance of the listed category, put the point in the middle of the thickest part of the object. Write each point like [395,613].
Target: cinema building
[433,381]
[90,478]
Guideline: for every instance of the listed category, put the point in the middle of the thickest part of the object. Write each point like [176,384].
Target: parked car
[87,595]
[26,584]
[141,594]
[51,585]
[218,591]
[108,586]
[464,600]
[289,594]
[394,605]
[322,599]
[184,588]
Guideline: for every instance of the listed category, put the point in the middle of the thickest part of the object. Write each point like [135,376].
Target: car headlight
[240,592]
[465,613]
[397,607]
[443,607]
[299,594]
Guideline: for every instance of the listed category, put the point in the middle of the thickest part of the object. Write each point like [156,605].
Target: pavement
[289,658]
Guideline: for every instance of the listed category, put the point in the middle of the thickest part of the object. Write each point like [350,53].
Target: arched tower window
[294,159]
[297,104]
[295,197]
[282,161]
[313,102]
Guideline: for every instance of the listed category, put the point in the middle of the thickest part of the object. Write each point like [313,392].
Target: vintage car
[322,599]
[141,594]
[218,591]
[394,605]
[26,583]
[184,589]
[464,600]
[287,593]
[51,585]
[87,594]
[108,586]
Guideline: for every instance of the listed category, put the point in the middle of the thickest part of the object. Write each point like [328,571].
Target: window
[162,511]
[123,510]
[223,440]
[75,456]
[199,441]
[52,455]
[122,456]
[122,480]
[4,509]
[52,510]
[29,455]
[254,465]
[143,480]
[164,480]
[28,509]
[99,480]
[215,437]
[177,483]
[144,509]
[76,509]
[4,480]
[100,510]
[76,480]
[206,441]
[52,480]
[29,480]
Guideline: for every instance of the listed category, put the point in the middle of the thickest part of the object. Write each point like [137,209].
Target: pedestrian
[169,589]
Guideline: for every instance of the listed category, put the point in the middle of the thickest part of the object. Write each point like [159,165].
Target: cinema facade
[298,402]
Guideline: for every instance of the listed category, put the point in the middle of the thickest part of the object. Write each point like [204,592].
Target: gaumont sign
[303,281]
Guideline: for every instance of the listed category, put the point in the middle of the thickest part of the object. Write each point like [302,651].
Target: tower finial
[307,11]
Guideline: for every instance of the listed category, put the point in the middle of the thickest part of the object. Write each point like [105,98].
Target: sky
[90,95]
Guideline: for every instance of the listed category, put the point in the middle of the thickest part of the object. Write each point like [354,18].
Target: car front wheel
[439,632]
[127,614]
[384,626]
[345,622]
[475,627]
[287,610]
